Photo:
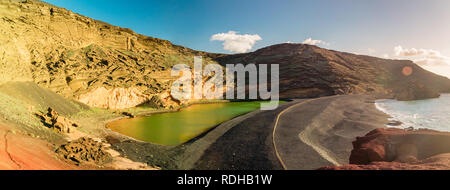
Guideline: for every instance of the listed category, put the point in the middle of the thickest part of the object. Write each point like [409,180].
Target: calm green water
[178,127]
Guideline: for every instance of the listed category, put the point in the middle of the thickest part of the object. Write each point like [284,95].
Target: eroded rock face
[85,150]
[56,122]
[394,148]
[115,98]
[74,55]
[79,57]
[123,98]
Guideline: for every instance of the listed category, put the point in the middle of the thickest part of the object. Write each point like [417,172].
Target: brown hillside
[107,66]
[82,58]
[310,71]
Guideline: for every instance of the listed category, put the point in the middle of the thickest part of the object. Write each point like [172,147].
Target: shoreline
[403,123]
[164,156]
[149,113]
[359,114]
[211,149]
[245,141]
[332,123]
[326,130]
[179,109]
[391,118]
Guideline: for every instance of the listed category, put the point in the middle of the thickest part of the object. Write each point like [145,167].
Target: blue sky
[358,26]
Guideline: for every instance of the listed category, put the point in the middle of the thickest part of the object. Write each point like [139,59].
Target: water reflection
[178,127]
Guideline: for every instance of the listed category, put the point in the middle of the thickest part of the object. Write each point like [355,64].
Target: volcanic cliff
[106,66]
[309,71]
[84,59]
[53,58]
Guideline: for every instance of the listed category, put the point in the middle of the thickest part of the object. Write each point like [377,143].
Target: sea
[431,113]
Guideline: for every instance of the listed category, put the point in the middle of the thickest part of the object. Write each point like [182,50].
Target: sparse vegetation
[70,54]
[127,52]
[16,111]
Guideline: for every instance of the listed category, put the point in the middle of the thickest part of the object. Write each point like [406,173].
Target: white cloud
[429,59]
[234,42]
[310,41]
[424,57]
[400,51]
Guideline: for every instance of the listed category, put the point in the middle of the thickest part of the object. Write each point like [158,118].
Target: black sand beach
[310,133]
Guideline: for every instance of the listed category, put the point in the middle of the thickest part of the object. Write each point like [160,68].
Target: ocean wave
[430,114]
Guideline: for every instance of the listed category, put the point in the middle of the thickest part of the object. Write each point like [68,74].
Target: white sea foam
[432,113]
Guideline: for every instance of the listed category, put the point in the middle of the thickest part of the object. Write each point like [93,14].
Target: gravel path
[308,134]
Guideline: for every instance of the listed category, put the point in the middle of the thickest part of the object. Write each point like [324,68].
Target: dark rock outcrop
[128,114]
[394,148]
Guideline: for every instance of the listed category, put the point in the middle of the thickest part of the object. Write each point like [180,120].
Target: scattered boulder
[56,122]
[395,123]
[84,150]
[128,114]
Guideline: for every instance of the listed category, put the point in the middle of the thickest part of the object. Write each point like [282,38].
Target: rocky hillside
[106,66]
[310,71]
[85,59]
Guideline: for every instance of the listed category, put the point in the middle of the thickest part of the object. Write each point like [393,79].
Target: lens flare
[407,70]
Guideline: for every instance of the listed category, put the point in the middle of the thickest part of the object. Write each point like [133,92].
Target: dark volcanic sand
[320,132]
[328,126]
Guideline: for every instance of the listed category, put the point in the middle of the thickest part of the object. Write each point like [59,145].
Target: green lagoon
[175,128]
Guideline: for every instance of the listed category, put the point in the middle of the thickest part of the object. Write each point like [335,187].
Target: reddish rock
[22,152]
[398,149]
